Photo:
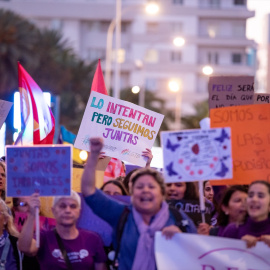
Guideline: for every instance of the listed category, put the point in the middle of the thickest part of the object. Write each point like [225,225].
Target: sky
[255,24]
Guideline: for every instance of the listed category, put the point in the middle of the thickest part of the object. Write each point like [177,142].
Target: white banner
[197,154]
[127,129]
[200,252]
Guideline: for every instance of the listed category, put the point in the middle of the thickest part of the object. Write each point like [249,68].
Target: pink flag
[98,84]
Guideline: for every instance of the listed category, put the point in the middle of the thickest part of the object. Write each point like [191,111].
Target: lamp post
[151,8]
[175,87]
[207,70]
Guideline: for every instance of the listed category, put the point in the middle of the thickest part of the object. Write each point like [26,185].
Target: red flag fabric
[38,123]
[98,84]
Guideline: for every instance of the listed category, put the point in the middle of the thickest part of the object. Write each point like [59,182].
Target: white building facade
[214,31]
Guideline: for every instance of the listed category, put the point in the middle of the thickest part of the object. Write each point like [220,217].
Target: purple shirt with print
[83,252]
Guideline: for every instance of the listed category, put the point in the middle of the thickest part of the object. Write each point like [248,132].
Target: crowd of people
[240,212]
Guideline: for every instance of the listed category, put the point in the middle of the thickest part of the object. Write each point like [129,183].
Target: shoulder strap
[119,231]
[63,250]
[179,221]
[4,254]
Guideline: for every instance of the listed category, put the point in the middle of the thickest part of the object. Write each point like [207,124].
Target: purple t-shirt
[250,227]
[83,252]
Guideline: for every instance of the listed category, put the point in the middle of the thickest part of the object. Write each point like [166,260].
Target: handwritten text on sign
[187,251]
[250,127]
[261,98]
[5,106]
[127,129]
[225,91]
[197,155]
[42,169]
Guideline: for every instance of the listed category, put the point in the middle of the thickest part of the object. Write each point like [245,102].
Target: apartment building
[214,33]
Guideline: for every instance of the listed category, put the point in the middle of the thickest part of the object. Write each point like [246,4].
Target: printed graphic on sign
[127,129]
[226,91]
[197,155]
[187,251]
[5,107]
[39,169]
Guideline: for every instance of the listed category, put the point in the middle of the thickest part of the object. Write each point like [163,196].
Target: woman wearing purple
[66,247]
[232,209]
[257,226]
[148,213]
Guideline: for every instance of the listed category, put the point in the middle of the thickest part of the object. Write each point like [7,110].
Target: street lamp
[135,89]
[207,70]
[179,41]
[151,8]
[175,86]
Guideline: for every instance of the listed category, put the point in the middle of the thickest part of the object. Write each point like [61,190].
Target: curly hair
[9,226]
[148,171]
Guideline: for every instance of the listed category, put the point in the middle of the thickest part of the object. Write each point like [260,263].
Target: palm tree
[193,121]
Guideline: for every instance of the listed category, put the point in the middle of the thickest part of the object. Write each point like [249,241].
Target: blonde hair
[9,226]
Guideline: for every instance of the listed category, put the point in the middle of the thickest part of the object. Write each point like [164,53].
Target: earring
[226,213]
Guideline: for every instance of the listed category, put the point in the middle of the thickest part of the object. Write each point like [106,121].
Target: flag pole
[37,228]
[204,124]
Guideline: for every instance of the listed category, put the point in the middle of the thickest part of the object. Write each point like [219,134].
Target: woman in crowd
[147,214]
[257,226]
[232,209]
[9,254]
[2,180]
[114,187]
[66,247]
[181,191]
[208,191]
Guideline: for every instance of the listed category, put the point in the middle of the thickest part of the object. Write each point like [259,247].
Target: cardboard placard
[197,155]
[46,170]
[5,107]
[250,126]
[225,91]
[46,224]
[127,129]
[261,98]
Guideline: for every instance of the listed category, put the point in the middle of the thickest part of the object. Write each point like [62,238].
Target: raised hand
[148,153]
[96,145]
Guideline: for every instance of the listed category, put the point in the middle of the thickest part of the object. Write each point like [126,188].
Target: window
[94,54]
[178,2]
[56,24]
[238,29]
[214,3]
[176,56]
[239,2]
[151,56]
[236,58]
[152,27]
[150,84]
[213,58]
[177,27]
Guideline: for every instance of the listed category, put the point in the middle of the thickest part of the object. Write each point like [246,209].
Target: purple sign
[42,169]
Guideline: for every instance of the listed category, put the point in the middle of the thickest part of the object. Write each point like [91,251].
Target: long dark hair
[117,183]
[223,219]
[191,192]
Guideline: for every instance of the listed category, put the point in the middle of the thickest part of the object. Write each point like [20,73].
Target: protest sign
[200,252]
[127,129]
[46,223]
[225,91]
[197,155]
[39,169]
[192,209]
[5,106]
[261,98]
[250,125]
